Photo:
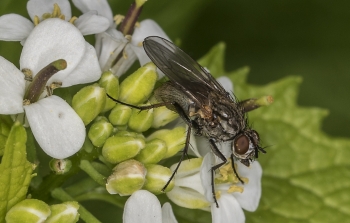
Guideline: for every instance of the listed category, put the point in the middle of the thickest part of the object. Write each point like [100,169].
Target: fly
[206,107]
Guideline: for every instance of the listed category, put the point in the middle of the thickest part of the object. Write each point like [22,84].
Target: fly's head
[245,146]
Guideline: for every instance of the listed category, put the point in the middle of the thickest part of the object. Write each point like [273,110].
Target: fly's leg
[218,153]
[234,169]
[142,108]
[183,115]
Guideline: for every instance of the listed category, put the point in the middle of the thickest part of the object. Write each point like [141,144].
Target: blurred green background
[274,38]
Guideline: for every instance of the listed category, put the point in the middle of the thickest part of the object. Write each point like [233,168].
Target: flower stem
[92,172]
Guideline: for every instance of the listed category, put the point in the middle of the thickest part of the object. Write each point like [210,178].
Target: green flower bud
[111,84]
[175,139]
[66,212]
[163,116]
[128,177]
[28,210]
[60,166]
[131,134]
[157,176]
[141,121]
[99,131]
[137,87]
[120,115]
[119,148]
[154,151]
[89,102]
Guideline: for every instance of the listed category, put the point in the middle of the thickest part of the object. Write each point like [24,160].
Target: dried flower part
[60,166]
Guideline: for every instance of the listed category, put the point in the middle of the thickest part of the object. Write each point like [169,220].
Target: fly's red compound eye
[241,144]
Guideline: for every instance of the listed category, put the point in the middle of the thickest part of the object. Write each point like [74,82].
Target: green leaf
[306,174]
[5,127]
[16,171]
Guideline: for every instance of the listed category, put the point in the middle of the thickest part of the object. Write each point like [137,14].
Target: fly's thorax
[245,146]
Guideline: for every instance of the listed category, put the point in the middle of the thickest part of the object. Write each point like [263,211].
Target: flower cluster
[62,92]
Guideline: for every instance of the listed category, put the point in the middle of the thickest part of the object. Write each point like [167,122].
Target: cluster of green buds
[128,140]
[33,210]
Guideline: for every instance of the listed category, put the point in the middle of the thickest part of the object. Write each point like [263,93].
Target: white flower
[231,203]
[116,51]
[14,27]
[188,191]
[193,190]
[143,206]
[57,128]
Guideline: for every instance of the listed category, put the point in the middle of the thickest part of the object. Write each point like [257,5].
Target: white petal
[229,210]
[249,199]
[14,27]
[39,7]
[226,83]
[194,147]
[56,127]
[187,198]
[203,145]
[51,40]
[193,182]
[188,167]
[168,214]
[147,27]
[90,23]
[142,206]
[125,62]
[88,70]
[107,43]
[12,86]
[101,6]
[141,54]
[205,174]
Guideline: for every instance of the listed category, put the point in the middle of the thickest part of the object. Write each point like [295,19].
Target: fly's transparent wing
[180,68]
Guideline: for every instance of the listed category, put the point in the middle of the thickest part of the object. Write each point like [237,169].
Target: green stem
[52,181]
[85,215]
[92,172]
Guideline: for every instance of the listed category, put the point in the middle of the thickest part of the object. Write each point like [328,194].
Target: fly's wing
[180,68]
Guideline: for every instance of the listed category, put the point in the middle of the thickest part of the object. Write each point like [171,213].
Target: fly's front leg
[234,169]
[218,153]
